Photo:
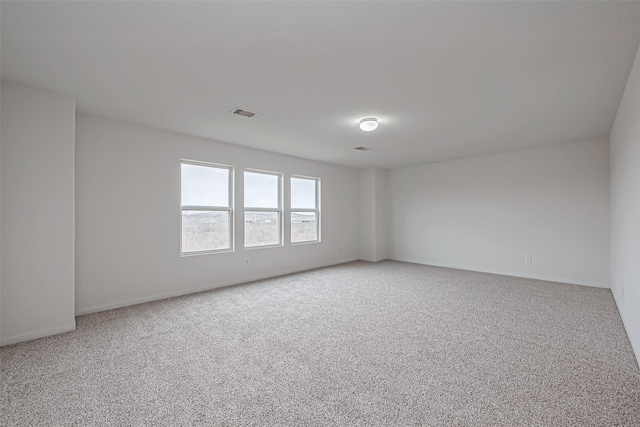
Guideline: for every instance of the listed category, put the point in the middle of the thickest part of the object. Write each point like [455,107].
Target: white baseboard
[177,293]
[635,345]
[515,274]
[373,259]
[38,334]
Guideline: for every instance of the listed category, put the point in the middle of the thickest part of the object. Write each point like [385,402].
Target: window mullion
[253,209]
[206,208]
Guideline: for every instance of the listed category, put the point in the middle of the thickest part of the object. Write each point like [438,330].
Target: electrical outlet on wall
[246,262]
[527,259]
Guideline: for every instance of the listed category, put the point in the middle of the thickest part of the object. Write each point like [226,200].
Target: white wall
[0,223]
[0,192]
[380,177]
[625,207]
[128,216]
[366,217]
[0,218]
[486,213]
[372,204]
[37,218]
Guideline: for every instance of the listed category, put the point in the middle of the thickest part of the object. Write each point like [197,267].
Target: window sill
[252,248]
[196,253]
[308,242]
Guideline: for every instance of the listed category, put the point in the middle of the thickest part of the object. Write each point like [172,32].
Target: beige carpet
[356,344]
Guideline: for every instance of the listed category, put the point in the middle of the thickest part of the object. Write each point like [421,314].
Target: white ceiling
[446,80]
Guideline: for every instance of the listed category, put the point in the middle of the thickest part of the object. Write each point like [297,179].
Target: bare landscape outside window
[205,231]
[262,209]
[261,228]
[206,207]
[304,210]
[304,227]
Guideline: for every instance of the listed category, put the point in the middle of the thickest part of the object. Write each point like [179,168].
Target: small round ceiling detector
[368,124]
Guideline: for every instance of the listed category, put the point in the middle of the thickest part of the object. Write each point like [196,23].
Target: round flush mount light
[369,124]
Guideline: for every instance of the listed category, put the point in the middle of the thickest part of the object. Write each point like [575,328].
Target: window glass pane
[261,228]
[205,231]
[304,227]
[204,185]
[303,193]
[260,190]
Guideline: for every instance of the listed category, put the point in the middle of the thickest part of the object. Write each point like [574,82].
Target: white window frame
[228,209]
[277,210]
[316,210]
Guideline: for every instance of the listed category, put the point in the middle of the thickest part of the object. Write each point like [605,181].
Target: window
[207,216]
[305,210]
[262,209]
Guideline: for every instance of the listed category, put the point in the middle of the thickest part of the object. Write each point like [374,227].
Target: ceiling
[445,79]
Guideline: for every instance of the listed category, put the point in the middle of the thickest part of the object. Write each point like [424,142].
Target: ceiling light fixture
[369,124]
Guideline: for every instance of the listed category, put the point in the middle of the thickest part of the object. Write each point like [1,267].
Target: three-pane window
[305,209]
[262,208]
[206,204]
[207,195]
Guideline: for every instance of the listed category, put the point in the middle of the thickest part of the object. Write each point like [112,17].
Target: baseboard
[38,334]
[177,293]
[635,345]
[373,259]
[515,274]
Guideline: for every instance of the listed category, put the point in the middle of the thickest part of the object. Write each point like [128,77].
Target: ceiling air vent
[244,113]
[363,148]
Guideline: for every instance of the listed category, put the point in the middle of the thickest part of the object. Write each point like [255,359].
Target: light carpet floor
[357,344]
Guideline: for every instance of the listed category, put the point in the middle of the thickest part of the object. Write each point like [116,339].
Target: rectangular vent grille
[363,148]
[244,113]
